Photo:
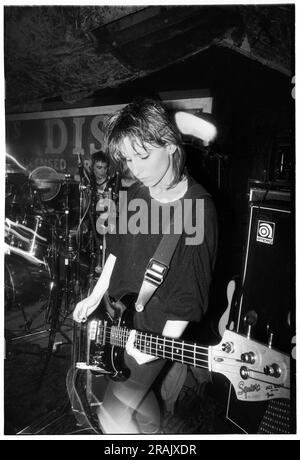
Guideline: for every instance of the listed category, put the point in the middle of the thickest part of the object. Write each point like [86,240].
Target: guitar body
[92,358]
[104,356]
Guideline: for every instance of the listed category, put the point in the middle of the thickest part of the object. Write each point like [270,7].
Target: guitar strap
[159,264]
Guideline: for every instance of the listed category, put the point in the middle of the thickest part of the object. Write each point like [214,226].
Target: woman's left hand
[141,358]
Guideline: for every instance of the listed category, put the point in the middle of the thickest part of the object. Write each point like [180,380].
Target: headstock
[257,372]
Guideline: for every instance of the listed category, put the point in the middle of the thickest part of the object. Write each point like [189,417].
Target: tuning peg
[273,370]
[273,327]
[270,339]
[270,334]
[250,319]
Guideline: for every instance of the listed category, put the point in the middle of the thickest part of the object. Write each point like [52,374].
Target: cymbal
[53,181]
[46,180]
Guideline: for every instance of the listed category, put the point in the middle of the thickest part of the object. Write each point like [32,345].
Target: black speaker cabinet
[266,300]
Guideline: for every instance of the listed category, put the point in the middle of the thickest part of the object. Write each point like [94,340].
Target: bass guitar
[256,371]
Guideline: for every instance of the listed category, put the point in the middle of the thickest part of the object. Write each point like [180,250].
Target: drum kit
[50,248]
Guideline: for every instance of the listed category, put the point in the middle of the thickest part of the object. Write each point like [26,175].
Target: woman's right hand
[85,308]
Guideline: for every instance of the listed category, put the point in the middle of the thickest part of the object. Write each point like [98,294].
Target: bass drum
[27,293]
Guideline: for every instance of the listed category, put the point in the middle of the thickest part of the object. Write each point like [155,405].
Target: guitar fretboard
[159,346]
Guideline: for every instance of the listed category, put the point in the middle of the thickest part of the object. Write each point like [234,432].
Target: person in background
[99,169]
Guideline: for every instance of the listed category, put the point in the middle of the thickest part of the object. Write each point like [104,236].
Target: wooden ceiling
[72,52]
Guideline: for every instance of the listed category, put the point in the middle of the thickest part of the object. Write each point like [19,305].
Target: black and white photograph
[149,262]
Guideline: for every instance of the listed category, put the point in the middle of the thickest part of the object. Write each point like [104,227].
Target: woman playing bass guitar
[144,136]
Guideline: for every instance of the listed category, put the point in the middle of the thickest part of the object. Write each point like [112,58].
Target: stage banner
[54,139]
[57,138]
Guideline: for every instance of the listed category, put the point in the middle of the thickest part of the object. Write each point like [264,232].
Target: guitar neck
[164,347]
[257,372]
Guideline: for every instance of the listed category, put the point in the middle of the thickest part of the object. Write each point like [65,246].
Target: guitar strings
[185,352]
[123,334]
[119,336]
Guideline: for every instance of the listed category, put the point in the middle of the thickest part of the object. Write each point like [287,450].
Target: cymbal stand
[53,262]
[65,277]
[68,248]
[79,240]
[36,196]
[68,277]
[86,214]
[95,240]
[61,292]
